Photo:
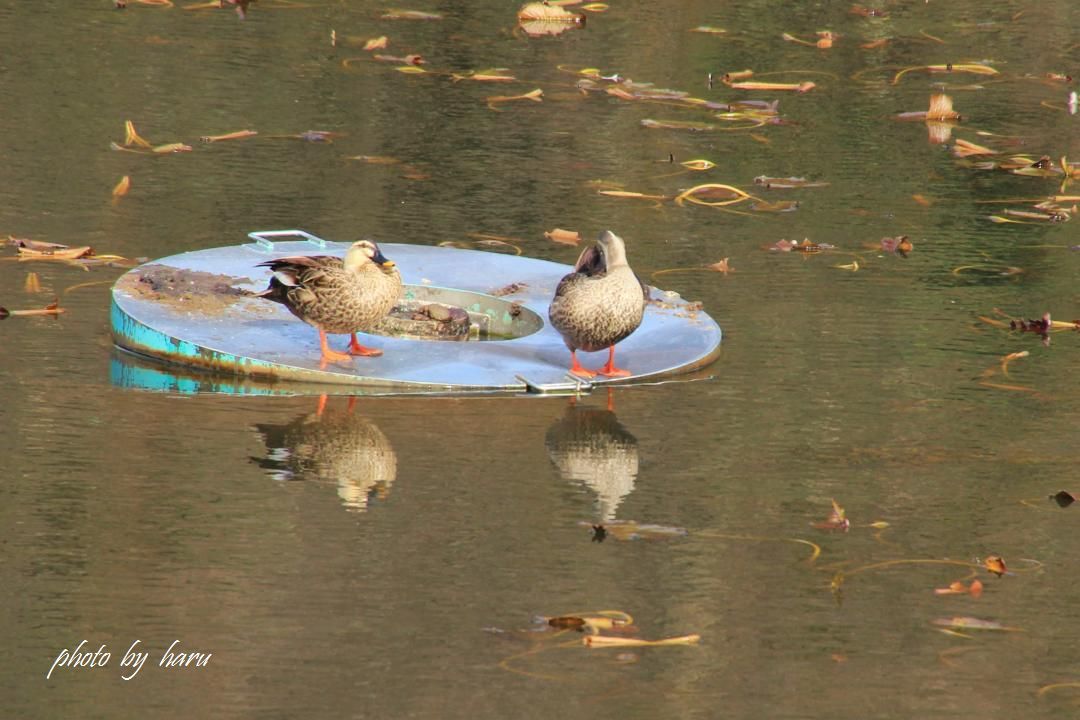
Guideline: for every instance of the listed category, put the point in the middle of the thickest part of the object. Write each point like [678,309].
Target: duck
[599,304]
[337,295]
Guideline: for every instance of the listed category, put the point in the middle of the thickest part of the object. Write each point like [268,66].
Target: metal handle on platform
[262,238]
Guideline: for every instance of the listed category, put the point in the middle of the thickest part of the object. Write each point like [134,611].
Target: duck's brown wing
[303,270]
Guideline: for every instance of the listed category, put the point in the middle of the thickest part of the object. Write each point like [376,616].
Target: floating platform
[488,310]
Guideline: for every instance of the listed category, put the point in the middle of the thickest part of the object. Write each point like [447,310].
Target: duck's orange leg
[329,355]
[610,370]
[355,348]
[576,369]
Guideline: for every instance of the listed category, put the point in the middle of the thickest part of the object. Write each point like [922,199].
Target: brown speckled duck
[599,304]
[337,296]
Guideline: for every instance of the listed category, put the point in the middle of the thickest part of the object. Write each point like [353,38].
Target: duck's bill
[381,260]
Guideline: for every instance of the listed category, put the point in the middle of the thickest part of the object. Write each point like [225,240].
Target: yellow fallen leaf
[698,165]
[238,135]
[131,137]
[805,86]
[603,641]
[377,43]
[948,67]
[629,194]
[171,148]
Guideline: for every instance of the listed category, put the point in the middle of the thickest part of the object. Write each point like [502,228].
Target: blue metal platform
[218,327]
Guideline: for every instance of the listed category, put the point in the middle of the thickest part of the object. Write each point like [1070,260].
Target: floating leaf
[599,641]
[168,148]
[595,7]
[52,308]
[874,44]
[959,588]
[131,137]
[721,267]
[375,159]
[122,187]
[995,564]
[410,69]
[378,43]
[705,194]
[737,75]
[630,194]
[33,283]
[698,165]
[852,266]
[837,520]
[802,87]
[61,252]
[563,237]
[963,148]
[489,75]
[238,135]
[941,108]
[709,30]
[543,12]
[677,125]
[948,68]
[776,183]
[396,14]
[534,95]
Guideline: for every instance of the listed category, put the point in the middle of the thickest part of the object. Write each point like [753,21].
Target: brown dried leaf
[563,237]
[996,565]
[721,267]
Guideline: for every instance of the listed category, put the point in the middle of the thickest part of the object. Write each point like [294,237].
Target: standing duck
[599,304]
[337,296]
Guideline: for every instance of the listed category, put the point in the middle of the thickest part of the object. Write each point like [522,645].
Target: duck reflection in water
[332,446]
[590,446]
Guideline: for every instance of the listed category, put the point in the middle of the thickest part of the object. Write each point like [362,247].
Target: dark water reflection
[360,563]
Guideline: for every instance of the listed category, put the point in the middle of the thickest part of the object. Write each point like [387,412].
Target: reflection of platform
[222,329]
